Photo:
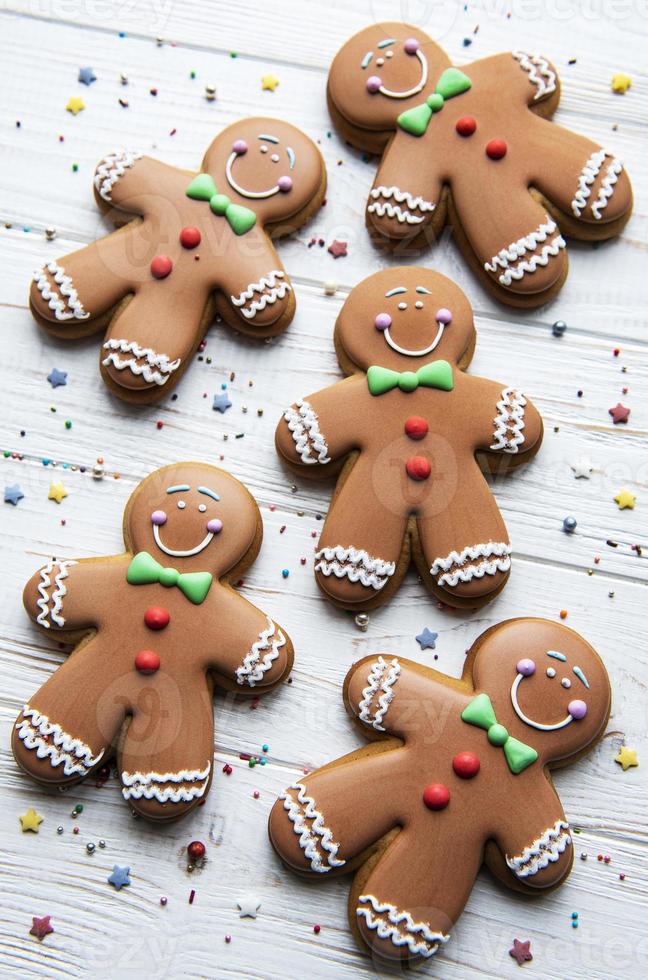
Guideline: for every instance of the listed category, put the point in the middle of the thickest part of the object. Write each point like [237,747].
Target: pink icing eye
[215,525]
[577,709]
[411,45]
[526,667]
[383,321]
[158,517]
[373,84]
[285,184]
[240,147]
[444,316]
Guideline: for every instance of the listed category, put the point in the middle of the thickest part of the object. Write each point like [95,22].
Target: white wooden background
[102,933]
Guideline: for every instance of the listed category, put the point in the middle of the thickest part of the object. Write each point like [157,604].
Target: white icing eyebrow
[180,487]
[270,139]
[396,290]
[422,289]
[210,493]
[387,42]
[291,156]
[556,655]
[581,676]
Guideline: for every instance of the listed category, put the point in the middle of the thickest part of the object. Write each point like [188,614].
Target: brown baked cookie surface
[407,428]
[202,243]
[157,627]
[458,775]
[474,147]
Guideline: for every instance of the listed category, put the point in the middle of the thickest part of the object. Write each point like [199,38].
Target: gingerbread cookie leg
[256,296]
[535,846]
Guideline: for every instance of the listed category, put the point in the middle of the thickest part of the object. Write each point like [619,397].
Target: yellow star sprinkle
[625,500]
[621,83]
[269,83]
[30,821]
[56,492]
[75,105]
[626,758]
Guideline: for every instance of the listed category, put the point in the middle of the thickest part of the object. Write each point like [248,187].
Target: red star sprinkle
[337,248]
[41,927]
[619,413]
[521,951]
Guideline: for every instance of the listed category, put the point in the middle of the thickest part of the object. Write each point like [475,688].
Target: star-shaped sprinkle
[57,378]
[337,248]
[269,83]
[619,413]
[521,951]
[87,76]
[427,639]
[119,877]
[620,83]
[582,468]
[75,105]
[627,758]
[221,403]
[13,494]
[248,907]
[30,821]
[57,492]
[625,500]
[41,927]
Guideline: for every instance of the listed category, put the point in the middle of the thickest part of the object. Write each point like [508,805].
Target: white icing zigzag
[383,678]
[509,422]
[146,784]
[528,243]
[500,563]
[548,251]
[355,564]
[545,81]
[382,204]
[157,369]
[588,175]
[417,936]
[270,293]
[543,851]
[253,668]
[304,425]
[58,594]
[49,740]
[111,168]
[606,190]
[315,838]
[65,301]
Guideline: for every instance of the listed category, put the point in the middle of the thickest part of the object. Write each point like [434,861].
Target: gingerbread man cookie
[475,148]
[159,626]
[409,429]
[201,244]
[460,776]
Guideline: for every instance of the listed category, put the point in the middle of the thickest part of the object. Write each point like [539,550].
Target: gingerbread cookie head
[549,685]
[381,71]
[267,166]
[402,317]
[193,516]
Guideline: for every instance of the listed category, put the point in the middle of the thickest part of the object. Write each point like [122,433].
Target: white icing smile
[393,94]
[181,554]
[415,353]
[529,721]
[242,190]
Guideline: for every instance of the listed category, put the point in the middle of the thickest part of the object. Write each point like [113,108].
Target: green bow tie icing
[436,374]
[480,713]
[203,188]
[144,569]
[416,121]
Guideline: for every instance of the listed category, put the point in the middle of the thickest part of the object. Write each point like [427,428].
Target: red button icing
[147,662]
[418,468]
[466,126]
[416,427]
[161,266]
[190,237]
[496,149]
[436,796]
[466,765]
[156,617]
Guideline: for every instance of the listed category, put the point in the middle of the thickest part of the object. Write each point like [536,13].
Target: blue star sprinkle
[221,403]
[119,877]
[427,639]
[87,76]
[57,378]
[13,494]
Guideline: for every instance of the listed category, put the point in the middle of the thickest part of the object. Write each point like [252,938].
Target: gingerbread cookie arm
[398,210]
[316,430]
[132,182]
[508,424]
[250,649]
[385,695]
[62,594]
[256,292]
[322,822]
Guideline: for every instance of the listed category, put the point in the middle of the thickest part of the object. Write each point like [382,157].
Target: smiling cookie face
[553,690]
[266,165]
[192,517]
[402,317]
